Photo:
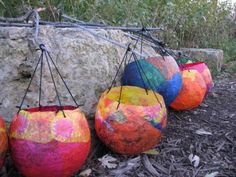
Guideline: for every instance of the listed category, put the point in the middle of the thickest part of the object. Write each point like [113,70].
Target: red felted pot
[202,68]
[3,141]
[44,143]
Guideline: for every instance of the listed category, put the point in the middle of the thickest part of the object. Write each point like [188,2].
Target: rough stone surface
[213,57]
[87,63]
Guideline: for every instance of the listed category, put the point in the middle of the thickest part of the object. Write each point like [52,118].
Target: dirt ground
[207,132]
[215,146]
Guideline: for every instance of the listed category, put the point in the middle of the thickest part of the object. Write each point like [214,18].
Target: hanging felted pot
[165,81]
[192,92]
[45,143]
[173,79]
[135,76]
[3,142]
[202,68]
[49,141]
[132,125]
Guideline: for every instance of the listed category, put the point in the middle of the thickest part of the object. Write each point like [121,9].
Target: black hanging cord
[141,45]
[40,58]
[63,80]
[140,36]
[141,50]
[45,53]
[121,89]
[124,60]
[135,45]
[140,68]
[139,71]
[41,74]
[117,72]
[55,87]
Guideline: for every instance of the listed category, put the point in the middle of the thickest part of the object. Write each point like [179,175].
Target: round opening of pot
[136,96]
[190,65]
[53,108]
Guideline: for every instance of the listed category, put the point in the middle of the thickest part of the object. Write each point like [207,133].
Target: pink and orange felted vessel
[44,143]
[3,142]
[203,69]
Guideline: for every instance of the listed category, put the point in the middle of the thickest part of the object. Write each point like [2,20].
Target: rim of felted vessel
[135,96]
[191,64]
[52,108]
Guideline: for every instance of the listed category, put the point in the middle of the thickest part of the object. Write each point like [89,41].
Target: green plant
[187,23]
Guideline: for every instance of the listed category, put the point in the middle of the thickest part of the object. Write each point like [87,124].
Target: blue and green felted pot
[143,73]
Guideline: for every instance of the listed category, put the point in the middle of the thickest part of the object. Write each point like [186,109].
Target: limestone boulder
[87,63]
[213,57]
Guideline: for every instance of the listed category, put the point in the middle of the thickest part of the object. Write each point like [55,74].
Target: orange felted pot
[3,142]
[44,143]
[192,92]
[203,69]
[138,123]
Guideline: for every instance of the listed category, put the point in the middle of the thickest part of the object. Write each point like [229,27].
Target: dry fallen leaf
[213,174]
[108,161]
[194,159]
[85,173]
[152,152]
[203,132]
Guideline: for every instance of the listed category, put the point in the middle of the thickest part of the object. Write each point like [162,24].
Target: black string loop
[31,79]
[45,54]
[141,71]
[54,84]
[64,82]
[119,67]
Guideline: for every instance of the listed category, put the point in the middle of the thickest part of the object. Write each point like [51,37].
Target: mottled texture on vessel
[44,141]
[138,123]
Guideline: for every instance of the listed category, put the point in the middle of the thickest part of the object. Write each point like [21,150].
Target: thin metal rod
[94,34]
[73,25]
[134,37]
[111,27]
[150,43]
[152,87]
[18,19]
[9,24]
[109,40]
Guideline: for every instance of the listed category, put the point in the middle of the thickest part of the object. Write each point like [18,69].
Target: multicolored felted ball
[133,126]
[202,68]
[45,143]
[173,78]
[3,141]
[159,74]
[192,92]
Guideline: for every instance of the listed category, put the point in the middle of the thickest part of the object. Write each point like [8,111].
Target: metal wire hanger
[45,55]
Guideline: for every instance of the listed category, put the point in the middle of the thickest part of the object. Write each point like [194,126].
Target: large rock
[213,57]
[87,63]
